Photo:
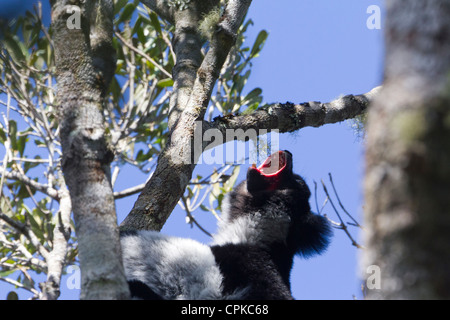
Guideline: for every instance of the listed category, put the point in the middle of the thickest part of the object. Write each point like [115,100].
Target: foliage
[230,96]
[135,113]
[358,125]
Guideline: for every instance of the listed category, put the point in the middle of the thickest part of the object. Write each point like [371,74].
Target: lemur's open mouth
[274,164]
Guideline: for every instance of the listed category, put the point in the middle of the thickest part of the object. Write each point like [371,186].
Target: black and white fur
[266,220]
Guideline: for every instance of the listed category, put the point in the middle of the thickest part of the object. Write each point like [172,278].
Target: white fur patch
[261,227]
[175,268]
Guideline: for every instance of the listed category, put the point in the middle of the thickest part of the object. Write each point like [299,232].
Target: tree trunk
[84,64]
[407,183]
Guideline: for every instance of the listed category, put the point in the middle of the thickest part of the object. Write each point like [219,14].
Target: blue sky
[10,8]
[317,50]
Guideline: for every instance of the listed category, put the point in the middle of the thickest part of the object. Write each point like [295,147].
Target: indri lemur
[266,220]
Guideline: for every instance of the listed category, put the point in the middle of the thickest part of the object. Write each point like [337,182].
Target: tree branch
[27,232]
[289,117]
[187,44]
[161,8]
[129,191]
[14,175]
[20,285]
[143,54]
[221,44]
[341,224]
[19,247]
[101,36]
[57,257]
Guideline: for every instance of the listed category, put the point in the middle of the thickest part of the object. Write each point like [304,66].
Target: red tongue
[273,164]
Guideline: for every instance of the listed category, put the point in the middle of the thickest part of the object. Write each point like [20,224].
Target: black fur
[140,290]
[267,221]
[265,273]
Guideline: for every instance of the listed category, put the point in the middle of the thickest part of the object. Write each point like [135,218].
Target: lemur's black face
[276,174]
[271,185]
[276,199]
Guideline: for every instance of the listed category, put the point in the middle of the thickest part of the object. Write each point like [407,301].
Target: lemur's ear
[309,235]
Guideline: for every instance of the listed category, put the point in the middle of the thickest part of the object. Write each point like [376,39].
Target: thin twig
[7,145]
[143,54]
[342,224]
[129,191]
[20,285]
[15,175]
[319,211]
[315,196]
[355,223]
[26,231]
[192,219]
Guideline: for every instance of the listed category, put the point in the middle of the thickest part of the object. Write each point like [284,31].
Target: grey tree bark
[407,183]
[84,68]
[56,258]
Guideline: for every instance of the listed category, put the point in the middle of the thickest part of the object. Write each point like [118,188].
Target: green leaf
[165,83]
[118,5]
[137,26]
[250,108]
[239,82]
[39,143]
[35,219]
[13,45]
[2,136]
[219,200]
[5,207]
[13,134]
[229,184]
[4,274]
[127,13]
[21,143]
[141,36]
[252,96]
[141,156]
[259,43]
[28,165]
[244,27]
[47,54]
[190,193]
[155,22]
[252,100]
[27,32]
[23,191]
[215,189]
